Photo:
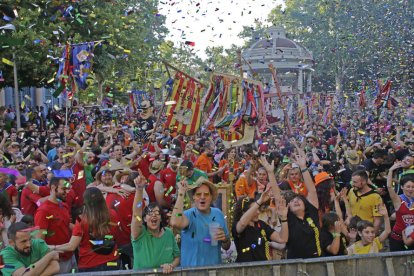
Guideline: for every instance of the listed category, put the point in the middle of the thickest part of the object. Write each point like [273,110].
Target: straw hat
[121,173]
[312,137]
[352,157]
[203,181]
[107,168]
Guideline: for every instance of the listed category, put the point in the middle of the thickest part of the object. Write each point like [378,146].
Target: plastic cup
[213,227]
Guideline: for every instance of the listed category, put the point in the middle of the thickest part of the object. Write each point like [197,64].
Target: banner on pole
[232,104]
[184,109]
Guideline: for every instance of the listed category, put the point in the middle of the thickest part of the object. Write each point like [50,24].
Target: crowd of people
[98,192]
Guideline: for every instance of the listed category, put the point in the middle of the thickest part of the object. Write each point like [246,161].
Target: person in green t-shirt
[153,244]
[191,174]
[27,256]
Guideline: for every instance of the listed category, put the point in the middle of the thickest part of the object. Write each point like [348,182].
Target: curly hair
[149,209]
[323,190]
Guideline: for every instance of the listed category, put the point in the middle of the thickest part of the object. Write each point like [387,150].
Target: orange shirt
[203,163]
[298,189]
[226,172]
[243,189]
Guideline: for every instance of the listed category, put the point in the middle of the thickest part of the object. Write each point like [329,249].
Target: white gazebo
[292,61]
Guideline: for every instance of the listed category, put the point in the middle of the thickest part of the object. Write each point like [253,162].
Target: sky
[210,23]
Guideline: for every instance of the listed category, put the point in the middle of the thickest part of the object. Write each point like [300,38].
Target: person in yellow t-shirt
[369,243]
[363,200]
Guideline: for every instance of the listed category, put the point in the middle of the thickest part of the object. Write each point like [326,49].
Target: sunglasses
[198,195]
[310,141]
[20,163]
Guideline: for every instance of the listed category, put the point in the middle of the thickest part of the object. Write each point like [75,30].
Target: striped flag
[383,95]
[362,99]
[184,112]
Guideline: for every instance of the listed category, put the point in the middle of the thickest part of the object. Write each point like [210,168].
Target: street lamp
[16,87]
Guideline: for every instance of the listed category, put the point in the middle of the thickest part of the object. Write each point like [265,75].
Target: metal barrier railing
[389,264]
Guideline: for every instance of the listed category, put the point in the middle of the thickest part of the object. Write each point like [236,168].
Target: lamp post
[11,27]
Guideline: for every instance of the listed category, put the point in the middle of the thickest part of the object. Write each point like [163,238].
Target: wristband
[304,170]
[260,205]
[283,220]
[336,235]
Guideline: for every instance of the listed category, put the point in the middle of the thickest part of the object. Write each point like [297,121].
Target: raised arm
[251,212]
[178,219]
[136,222]
[387,226]
[393,195]
[282,210]
[312,196]
[272,178]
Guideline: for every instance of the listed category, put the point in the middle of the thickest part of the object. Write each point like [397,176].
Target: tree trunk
[100,92]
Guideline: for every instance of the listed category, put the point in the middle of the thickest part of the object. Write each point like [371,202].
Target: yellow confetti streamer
[8,62]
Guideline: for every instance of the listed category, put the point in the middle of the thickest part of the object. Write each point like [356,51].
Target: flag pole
[176,69]
[157,122]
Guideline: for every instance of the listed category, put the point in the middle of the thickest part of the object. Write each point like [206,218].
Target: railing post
[276,270]
[330,269]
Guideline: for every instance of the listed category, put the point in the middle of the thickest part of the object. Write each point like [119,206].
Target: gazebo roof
[277,45]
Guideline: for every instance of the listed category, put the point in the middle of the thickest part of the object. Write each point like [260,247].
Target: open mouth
[154,221]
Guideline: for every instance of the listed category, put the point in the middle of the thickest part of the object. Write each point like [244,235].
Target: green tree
[130,32]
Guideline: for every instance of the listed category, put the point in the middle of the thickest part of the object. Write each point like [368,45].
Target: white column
[300,81]
[38,96]
[2,97]
[309,82]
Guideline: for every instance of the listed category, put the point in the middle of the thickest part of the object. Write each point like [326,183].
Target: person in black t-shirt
[251,235]
[303,220]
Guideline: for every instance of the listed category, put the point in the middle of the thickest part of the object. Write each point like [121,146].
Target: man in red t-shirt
[74,162]
[53,218]
[168,177]
[155,188]
[35,193]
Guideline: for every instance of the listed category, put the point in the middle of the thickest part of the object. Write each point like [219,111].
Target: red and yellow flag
[184,112]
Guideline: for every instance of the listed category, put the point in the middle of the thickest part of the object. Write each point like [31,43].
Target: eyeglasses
[154,213]
[206,194]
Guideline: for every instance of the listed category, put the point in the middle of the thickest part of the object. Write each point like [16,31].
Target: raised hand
[268,167]
[281,208]
[140,181]
[300,159]
[183,186]
[265,196]
[382,210]
[397,165]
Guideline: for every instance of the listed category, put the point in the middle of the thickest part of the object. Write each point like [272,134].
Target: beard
[24,253]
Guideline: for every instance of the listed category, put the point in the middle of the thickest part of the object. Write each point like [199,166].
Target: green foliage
[130,33]
[352,41]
